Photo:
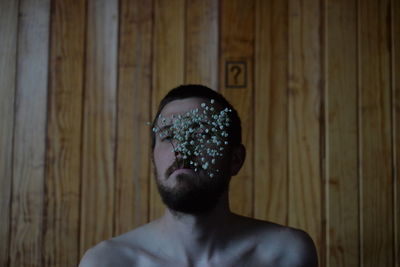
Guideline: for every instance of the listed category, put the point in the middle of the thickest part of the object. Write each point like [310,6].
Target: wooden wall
[320,111]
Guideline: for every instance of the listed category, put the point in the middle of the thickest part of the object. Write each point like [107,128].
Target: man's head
[196,148]
[200,91]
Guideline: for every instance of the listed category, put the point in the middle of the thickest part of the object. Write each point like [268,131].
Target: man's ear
[237,160]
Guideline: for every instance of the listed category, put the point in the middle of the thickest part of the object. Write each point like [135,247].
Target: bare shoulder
[288,247]
[279,245]
[106,253]
[124,250]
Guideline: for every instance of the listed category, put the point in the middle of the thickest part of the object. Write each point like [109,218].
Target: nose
[182,156]
[186,145]
[177,154]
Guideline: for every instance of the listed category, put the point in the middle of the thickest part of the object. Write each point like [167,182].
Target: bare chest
[248,257]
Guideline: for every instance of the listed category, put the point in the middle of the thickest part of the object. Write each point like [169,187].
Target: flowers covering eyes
[199,135]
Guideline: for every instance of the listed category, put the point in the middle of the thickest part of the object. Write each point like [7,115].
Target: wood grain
[396,123]
[237,43]
[8,59]
[201,43]
[305,119]
[375,134]
[342,206]
[134,87]
[270,123]
[320,116]
[99,125]
[168,67]
[63,159]
[29,135]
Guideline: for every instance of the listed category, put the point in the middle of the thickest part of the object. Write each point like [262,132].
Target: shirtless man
[193,170]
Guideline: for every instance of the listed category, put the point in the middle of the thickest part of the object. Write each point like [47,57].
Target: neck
[198,237]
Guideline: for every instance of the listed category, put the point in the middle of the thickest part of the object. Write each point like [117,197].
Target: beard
[193,194]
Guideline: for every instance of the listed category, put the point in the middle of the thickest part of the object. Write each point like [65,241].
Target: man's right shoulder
[106,253]
[118,251]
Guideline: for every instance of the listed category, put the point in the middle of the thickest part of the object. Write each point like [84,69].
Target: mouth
[182,170]
[182,167]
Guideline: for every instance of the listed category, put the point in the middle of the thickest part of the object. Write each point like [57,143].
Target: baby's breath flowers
[199,135]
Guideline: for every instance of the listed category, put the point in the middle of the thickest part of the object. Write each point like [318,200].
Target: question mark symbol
[236,70]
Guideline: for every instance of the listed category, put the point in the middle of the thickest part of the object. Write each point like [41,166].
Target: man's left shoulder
[293,247]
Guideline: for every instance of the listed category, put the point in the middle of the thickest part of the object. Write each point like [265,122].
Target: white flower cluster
[199,135]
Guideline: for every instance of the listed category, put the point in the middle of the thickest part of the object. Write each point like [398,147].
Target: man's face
[183,186]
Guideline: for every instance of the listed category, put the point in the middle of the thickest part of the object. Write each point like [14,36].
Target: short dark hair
[201,91]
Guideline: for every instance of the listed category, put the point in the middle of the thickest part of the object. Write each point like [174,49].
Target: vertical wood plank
[29,135]
[99,126]
[134,85]
[237,43]
[201,39]
[63,159]
[270,148]
[305,118]
[341,134]
[8,59]
[396,122]
[168,67]
[375,134]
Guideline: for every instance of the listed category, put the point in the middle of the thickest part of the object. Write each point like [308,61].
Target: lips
[183,170]
[180,166]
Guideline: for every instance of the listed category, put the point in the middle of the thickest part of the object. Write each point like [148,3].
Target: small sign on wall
[235,74]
